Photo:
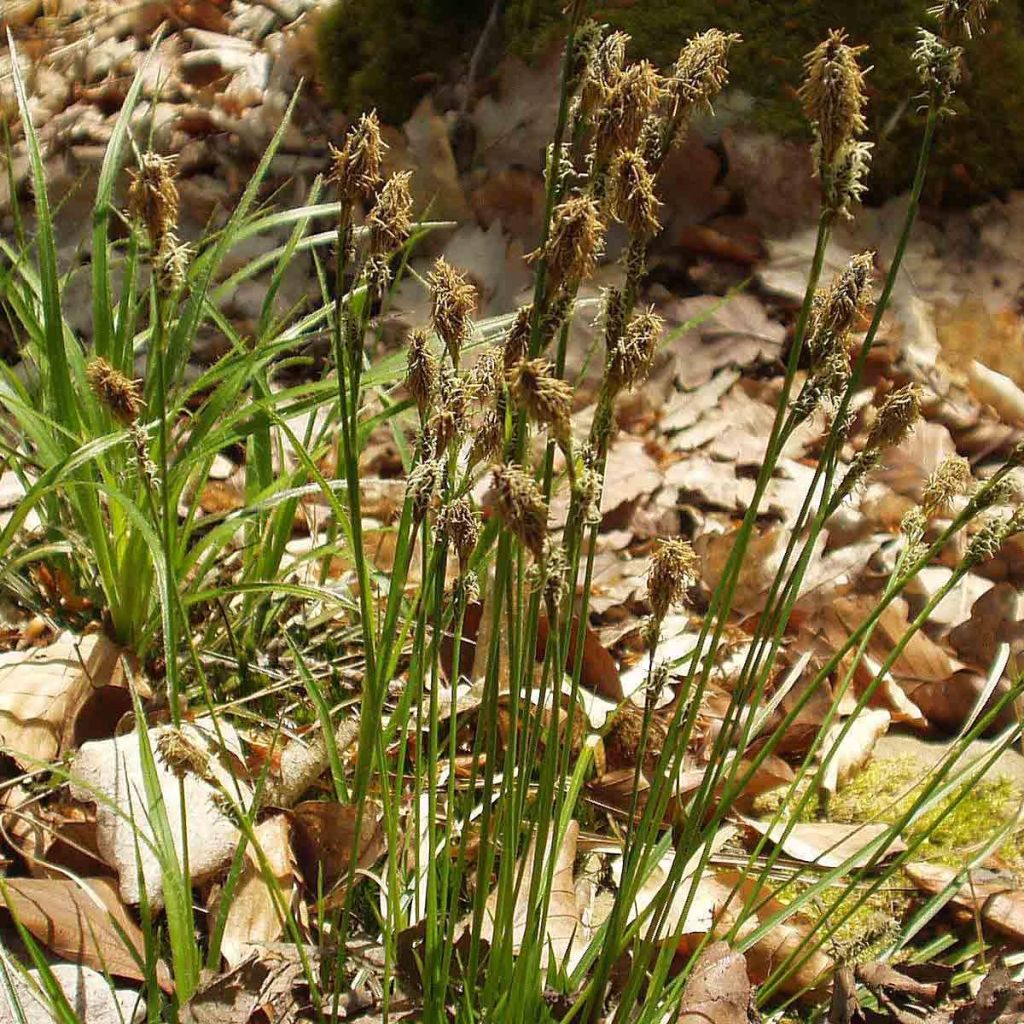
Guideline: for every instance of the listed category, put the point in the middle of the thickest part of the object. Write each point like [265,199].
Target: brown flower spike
[632,195]
[547,399]
[576,241]
[630,360]
[701,71]
[521,505]
[355,168]
[153,197]
[896,418]
[421,371]
[833,95]
[390,220]
[962,19]
[461,526]
[120,394]
[452,299]
[674,567]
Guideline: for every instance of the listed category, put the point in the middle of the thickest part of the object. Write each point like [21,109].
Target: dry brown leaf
[88,993]
[565,937]
[948,702]
[997,617]
[109,774]
[253,914]
[828,844]
[54,698]
[994,900]
[323,837]
[718,991]
[81,922]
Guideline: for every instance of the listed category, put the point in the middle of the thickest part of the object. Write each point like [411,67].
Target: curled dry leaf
[718,991]
[253,916]
[109,773]
[54,698]
[998,391]
[83,921]
[851,751]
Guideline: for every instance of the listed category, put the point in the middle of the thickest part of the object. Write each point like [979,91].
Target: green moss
[885,790]
[978,151]
[386,55]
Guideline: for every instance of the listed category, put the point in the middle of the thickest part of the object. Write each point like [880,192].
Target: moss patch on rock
[386,55]
[979,151]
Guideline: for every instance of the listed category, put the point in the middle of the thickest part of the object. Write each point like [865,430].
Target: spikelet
[634,95]
[602,71]
[182,755]
[421,371]
[833,96]
[546,398]
[631,192]
[458,523]
[452,300]
[517,337]
[171,264]
[489,437]
[121,395]
[629,361]
[846,181]
[950,479]
[485,379]
[674,567]
[522,507]
[153,197]
[701,70]
[837,307]
[575,243]
[985,544]
[355,168]
[939,67]
[451,408]
[896,418]
[390,220]
[422,486]
[961,19]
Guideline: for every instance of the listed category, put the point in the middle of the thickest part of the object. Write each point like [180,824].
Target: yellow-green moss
[885,790]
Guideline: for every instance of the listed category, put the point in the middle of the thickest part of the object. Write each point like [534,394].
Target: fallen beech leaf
[850,752]
[827,844]
[88,993]
[877,975]
[947,703]
[253,914]
[323,837]
[109,774]
[565,938]
[996,617]
[723,901]
[718,991]
[47,692]
[994,900]
[998,391]
[86,923]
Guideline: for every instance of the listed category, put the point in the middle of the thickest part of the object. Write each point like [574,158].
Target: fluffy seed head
[939,67]
[460,525]
[962,19]
[674,567]
[421,371]
[355,168]
[120,394]
[632,195]
[153,197]
[896,418]
[546,398]
[576,241]
[630,360]
[522,506]
[390,220]
[452,300]
[833,95]
[701,71]
[950,479]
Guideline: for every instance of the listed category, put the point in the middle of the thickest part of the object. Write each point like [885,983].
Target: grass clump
[462,770]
